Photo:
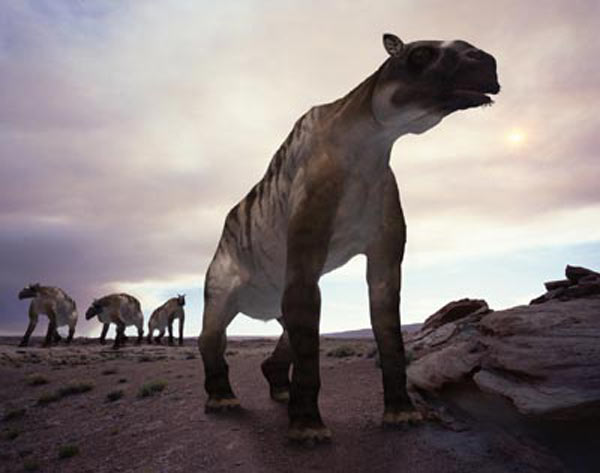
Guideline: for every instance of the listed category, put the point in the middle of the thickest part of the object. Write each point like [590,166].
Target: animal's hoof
[171,343]
[222,405]
[23,344]
[102,342]
[400,419]
[280,395]
[309,436]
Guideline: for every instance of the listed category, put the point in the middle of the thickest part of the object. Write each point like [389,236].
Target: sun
[515,137]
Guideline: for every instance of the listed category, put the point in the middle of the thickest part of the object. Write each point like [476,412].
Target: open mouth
[473,98]
[468,98]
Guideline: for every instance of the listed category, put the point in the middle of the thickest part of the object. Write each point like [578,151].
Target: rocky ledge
[543,357]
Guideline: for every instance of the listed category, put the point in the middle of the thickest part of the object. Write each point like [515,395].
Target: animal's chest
[356,222]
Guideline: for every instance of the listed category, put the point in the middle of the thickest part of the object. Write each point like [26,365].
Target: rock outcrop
[579,282]
[544,357]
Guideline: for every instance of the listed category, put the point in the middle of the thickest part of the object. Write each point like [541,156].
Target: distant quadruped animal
[327,195]
[164,316]
[56,304]
[120,309]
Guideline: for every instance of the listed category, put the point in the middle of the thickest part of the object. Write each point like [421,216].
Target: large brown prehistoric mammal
[164,317]
[122,310]
[56,304]
[329,194]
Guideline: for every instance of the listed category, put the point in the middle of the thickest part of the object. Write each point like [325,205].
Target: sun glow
[515,137]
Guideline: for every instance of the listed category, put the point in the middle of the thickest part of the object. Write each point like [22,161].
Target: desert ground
[89,408]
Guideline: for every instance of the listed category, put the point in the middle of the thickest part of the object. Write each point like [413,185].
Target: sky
[129,129]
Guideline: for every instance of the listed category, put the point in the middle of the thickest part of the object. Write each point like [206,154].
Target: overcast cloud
[128,129]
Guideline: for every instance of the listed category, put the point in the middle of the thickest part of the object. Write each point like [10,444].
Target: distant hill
[367,332]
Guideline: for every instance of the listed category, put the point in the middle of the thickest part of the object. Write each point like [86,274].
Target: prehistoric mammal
[329,194]
[58,307]
[164,317]
[122,310]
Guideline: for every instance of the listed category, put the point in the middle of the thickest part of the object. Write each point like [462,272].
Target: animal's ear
[392,44]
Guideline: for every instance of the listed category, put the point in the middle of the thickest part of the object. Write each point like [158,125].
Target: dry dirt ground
[168,431]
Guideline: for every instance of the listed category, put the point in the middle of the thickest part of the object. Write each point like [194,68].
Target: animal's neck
[364,142]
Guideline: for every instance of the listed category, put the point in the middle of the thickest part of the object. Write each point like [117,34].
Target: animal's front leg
[103,334]
[384,299]
[33,318]
[181,331]
[218,313]
[384,259]
[170,327]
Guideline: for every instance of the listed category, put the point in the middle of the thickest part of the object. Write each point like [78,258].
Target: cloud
[128,130]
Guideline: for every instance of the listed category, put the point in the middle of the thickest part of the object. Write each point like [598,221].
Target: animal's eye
[422,56]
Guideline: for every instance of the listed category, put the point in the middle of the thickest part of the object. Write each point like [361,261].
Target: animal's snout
[483,66]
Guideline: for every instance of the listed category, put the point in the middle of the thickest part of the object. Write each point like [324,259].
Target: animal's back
[251,255]
[127,308]
[58,301]
[160,317]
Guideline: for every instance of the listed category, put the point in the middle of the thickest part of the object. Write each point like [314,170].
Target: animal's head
[181,299]
[29,291]
[423,81]
[93,310]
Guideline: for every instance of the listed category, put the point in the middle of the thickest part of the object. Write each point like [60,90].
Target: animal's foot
[222,405]
[46,344]
[398,419]
[171,343]
[102,342]
[309,435]
[280,394]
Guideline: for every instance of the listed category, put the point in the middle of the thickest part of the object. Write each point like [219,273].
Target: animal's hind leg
[33,318]
[120,336]
[276,369]
[71,333]
[50,334]
[103,334]
[140,337]
[218,313]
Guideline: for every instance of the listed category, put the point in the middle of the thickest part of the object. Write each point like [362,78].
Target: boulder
[544,358]
[454,311]
[580,282]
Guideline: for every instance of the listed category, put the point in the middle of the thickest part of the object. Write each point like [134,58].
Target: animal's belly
[64,318]
[130,318]
[261,296]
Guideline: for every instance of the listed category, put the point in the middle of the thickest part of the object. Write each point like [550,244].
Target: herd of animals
[328,194]
[122,310]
